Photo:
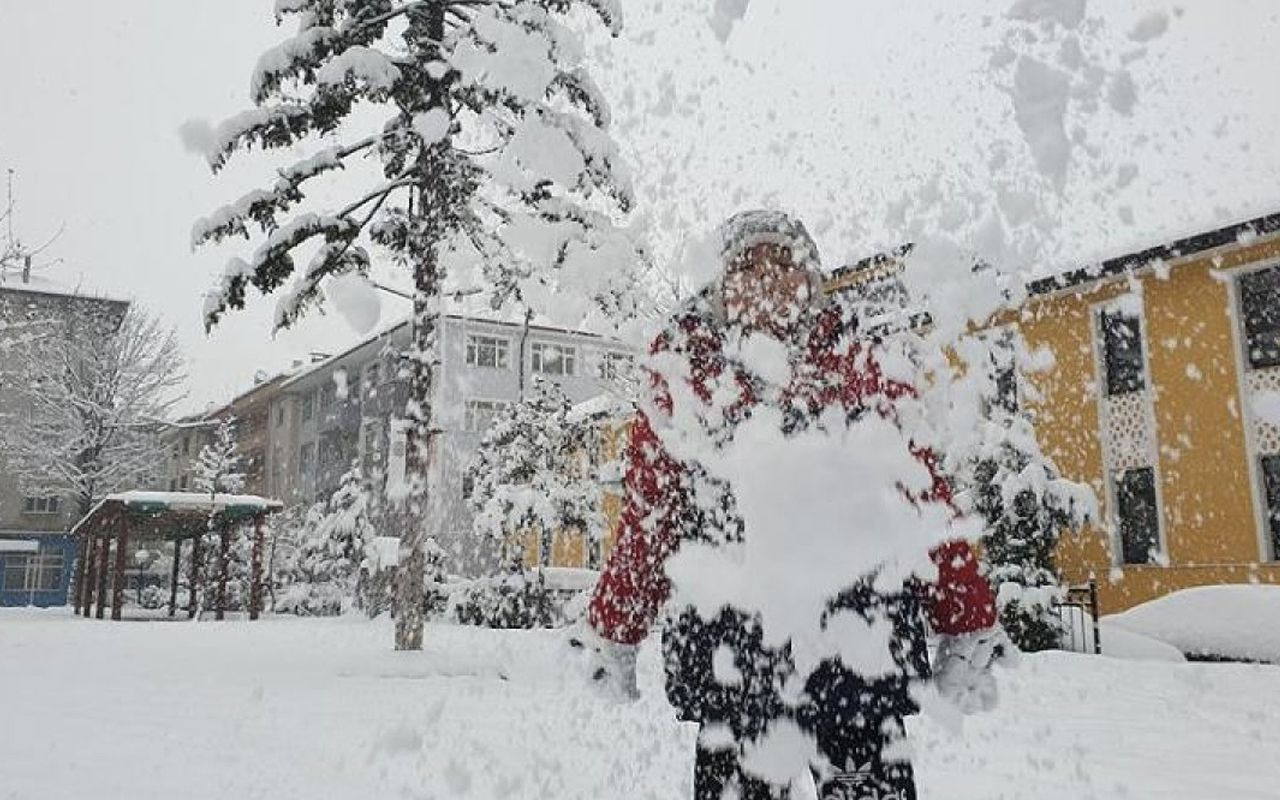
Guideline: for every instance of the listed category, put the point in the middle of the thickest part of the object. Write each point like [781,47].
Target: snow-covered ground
[291,708]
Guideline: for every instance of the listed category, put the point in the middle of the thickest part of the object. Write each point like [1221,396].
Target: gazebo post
[117,578]
[91,579]
[104,552]
[224,552]
[81,566]
[173,578]
[197,553]
[255,568]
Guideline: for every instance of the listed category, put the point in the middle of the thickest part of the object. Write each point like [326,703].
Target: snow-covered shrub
[153,597]
[516,600]
[530,474]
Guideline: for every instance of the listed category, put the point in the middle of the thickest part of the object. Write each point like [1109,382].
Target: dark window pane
[1122,352]
[1271,478]
[1260,307]
[1139,515]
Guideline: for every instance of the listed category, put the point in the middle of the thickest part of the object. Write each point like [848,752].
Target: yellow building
[1162,399]
[1165,398]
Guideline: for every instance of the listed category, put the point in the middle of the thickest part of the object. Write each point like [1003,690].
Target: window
[1122,351]
[1260,309]
[182,484]
[279,414]
[372,376]
[480,414]
[1138,514]
[615,366]
[1271,480]
[41,572]
[186,445]
[553,359]
[41,505]
[488,351]
[328,397]
[307,461]
[468,485]
[595,552]
[308,406]
[547,544]
[173,484]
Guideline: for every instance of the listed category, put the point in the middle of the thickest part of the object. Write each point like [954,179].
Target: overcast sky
[832,108]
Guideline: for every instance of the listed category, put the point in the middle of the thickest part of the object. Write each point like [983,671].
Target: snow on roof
[602,405]
[573,579]
[19,546]
[41,284]
[194,501]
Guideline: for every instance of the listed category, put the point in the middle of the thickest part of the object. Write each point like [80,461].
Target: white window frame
[609,359]
[1253,452]
[44,504]
[568,354]
[33,567]
[1112,514]
[471,406]
[478,343]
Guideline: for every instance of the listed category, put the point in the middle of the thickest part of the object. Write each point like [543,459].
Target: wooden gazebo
[167,517]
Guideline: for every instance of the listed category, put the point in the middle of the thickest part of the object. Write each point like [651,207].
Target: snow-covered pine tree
[1026,504]
[334,544]
[495,165]
[218,471]
[529,475]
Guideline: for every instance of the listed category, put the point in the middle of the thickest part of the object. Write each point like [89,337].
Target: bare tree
[89,403]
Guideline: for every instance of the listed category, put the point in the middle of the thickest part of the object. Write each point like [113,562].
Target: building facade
[311,425]
[1164,397]
[36,554]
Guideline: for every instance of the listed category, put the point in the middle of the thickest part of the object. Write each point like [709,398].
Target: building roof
[40,284]
[1234,233]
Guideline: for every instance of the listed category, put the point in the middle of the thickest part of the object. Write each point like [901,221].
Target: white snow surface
[1232,621]
[292,709]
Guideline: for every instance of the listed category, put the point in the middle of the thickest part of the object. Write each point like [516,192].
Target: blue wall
[49,543]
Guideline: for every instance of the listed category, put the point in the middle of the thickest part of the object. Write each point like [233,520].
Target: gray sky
[831,108]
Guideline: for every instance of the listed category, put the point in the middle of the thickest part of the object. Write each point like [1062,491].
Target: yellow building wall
[1206,490]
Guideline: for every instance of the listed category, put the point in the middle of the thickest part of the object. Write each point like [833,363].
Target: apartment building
[36,552]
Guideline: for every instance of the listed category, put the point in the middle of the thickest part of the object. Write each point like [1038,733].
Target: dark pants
[716,772]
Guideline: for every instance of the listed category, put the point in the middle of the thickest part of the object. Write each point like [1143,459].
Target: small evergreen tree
[529,475]
[1024,501]
[217,471]
[336,537]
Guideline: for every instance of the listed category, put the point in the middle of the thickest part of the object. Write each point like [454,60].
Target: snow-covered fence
[1078,609]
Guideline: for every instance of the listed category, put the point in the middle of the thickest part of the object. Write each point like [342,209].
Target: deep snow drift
[290,708]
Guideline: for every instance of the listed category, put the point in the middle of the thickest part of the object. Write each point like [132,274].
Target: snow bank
[293,709]
[1236,622]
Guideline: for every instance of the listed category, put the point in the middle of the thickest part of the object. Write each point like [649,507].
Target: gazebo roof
[172,514]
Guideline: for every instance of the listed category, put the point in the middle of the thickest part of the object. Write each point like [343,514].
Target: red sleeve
[961,600]
[633,585]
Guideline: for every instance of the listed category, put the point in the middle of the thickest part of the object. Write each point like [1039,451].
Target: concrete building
[36,554]
[311,424]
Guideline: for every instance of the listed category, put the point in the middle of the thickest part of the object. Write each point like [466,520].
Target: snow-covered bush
[515,600]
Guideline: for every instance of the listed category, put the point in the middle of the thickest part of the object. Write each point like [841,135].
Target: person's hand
[962,668]
[610,665]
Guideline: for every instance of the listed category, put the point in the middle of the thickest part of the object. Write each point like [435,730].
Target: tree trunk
[429,228]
